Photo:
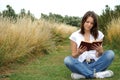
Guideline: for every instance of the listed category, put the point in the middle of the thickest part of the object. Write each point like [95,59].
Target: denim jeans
[88,69]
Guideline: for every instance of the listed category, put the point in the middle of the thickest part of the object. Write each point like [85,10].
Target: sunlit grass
[113,34]
[26,37]
[61,32]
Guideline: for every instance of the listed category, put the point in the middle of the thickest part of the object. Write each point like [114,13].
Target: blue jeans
[88,69]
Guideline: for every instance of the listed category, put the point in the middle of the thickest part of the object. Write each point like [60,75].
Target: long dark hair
[94,30]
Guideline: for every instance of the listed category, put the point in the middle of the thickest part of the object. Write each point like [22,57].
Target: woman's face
[88,24]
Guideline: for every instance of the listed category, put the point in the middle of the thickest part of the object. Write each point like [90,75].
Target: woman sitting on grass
[92,63]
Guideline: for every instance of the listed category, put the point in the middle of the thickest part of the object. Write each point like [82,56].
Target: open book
[89,45]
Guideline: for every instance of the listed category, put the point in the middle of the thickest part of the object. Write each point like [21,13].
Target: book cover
[89,45]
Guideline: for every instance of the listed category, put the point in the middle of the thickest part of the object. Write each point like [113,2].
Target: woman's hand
[81,49]
[77,51]
[98,48]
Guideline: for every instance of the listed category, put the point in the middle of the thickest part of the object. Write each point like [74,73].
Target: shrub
[113,34]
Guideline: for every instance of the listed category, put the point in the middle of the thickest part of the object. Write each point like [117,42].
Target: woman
[93,63]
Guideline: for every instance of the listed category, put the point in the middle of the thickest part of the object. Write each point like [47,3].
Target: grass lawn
[51,67]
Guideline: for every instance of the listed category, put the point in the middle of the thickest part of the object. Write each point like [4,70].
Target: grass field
[51,67]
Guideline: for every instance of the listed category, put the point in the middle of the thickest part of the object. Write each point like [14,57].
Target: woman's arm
[76,51]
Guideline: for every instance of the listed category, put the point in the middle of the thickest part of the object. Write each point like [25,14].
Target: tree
[44,16]
[30,15]
[22,13]
[105,18]
[10,13]
[0,14]
[117,11]
[74,21]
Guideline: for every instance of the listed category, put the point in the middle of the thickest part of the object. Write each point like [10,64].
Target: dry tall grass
[25,37]
[61,31]
[113,33]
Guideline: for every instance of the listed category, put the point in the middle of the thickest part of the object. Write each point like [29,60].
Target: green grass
[51,67]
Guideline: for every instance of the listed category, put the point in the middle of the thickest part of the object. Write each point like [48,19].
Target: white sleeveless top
[77,37]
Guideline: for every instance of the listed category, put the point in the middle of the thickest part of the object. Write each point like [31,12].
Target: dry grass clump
[113,33]
[26,37]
